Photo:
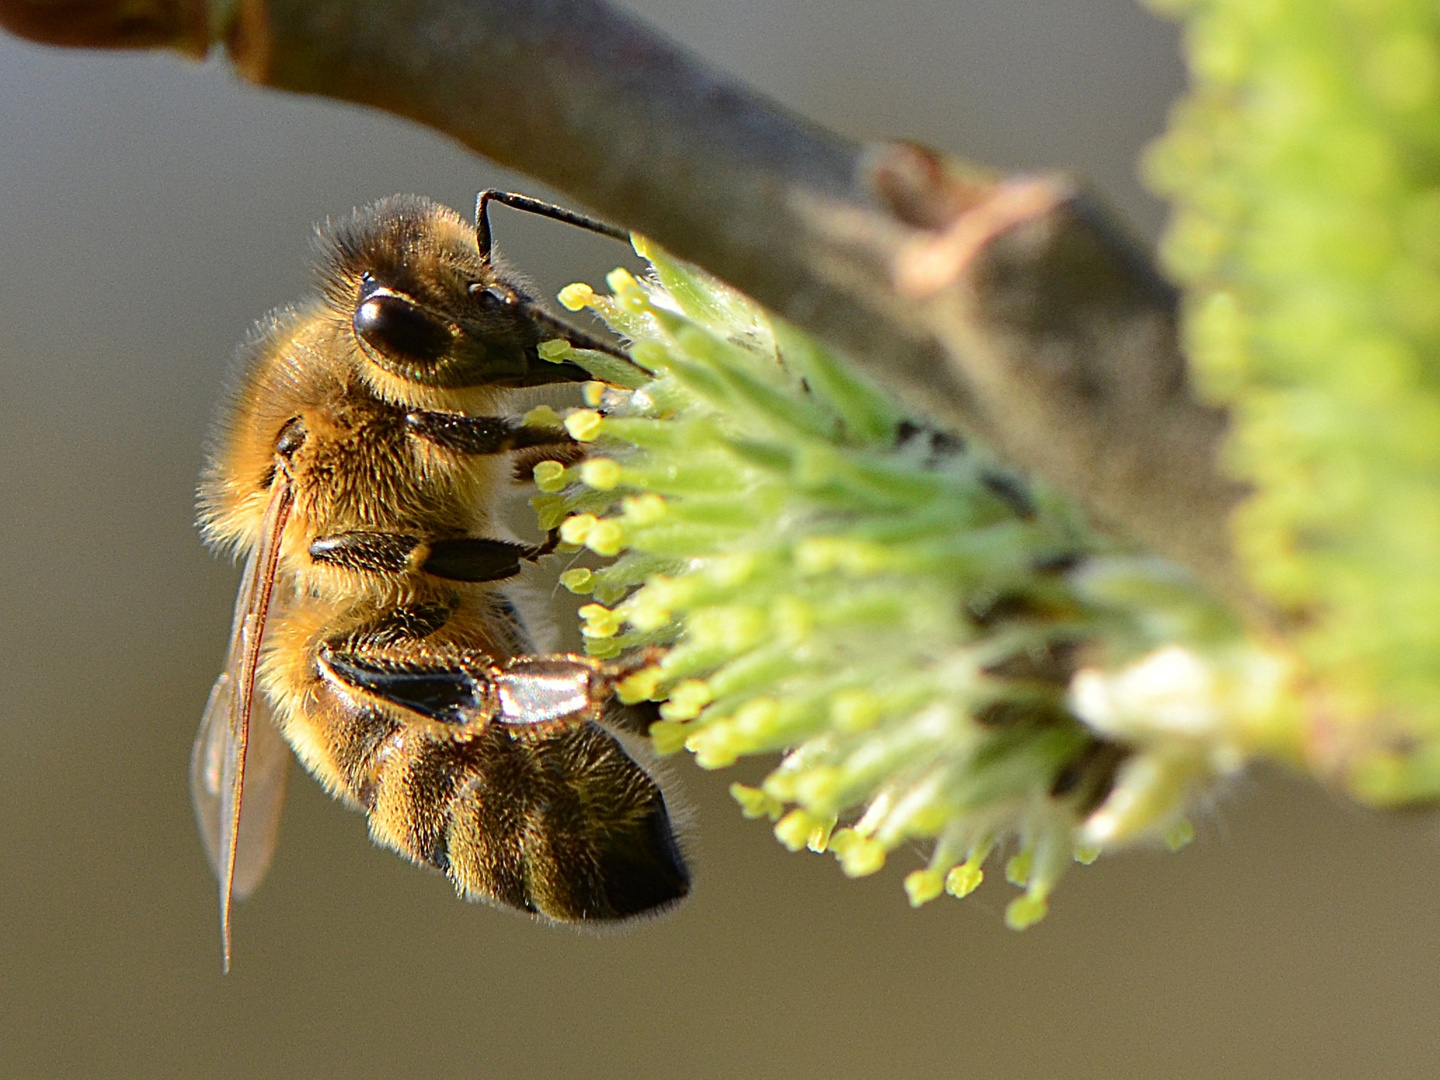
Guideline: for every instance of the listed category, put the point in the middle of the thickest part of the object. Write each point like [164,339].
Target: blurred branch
[1016,308]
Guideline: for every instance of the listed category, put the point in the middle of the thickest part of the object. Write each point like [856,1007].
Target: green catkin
[869,600]
[1305,171]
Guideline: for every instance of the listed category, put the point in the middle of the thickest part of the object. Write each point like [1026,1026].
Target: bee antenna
[485,240]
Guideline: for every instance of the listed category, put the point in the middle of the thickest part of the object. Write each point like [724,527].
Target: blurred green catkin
[1305,172]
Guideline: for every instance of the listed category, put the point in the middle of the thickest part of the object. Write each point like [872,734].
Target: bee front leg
[496,435]
[481,434]
[457,558]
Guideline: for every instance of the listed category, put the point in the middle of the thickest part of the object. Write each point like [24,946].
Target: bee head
[424,306]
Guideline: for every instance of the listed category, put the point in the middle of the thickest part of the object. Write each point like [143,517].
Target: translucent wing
[238,766]
[267,764]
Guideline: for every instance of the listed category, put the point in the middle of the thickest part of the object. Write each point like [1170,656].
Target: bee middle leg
[456,558]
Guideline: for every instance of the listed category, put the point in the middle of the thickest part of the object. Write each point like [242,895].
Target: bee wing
[267,765]
[238,765]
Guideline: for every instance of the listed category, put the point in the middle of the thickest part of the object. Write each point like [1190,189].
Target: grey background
[149,210]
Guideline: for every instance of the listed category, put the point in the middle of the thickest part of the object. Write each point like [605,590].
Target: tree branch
[1016,308]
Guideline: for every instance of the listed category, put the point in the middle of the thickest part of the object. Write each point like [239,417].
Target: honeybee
[357,466]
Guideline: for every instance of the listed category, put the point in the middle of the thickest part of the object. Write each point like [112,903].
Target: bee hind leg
[448,693]
[530,695]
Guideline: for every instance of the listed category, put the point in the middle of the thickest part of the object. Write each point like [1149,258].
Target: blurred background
[150,209]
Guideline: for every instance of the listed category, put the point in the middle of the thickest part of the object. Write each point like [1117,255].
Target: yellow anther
[964,879]
[578,580]
[794,829]
[638,686]
[646,612]
[549,476]
[668,736]
[819,839]
[861,857]
[687,699]
[583,424]
[605,537]
[754,803]
[922,886]
[600,621]
[574,529]
[1025,911]
[621,280]
[602,474]
[712,748]
[644,509]
[603,648]
[575,296]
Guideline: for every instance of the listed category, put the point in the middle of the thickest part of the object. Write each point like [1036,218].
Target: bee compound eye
[395,327]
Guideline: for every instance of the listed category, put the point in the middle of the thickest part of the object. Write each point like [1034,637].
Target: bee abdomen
[498,776]
[588,828]
[632,867]
[414,789]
